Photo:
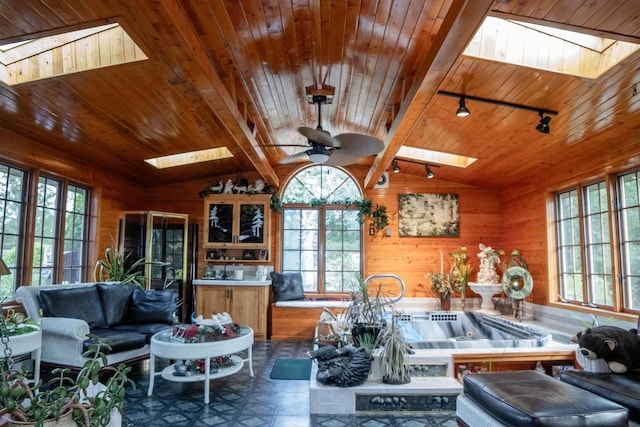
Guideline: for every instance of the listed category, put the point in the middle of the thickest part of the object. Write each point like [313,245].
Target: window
[13,187]
[586,262]
[321,235]
[629,200]
[58,249]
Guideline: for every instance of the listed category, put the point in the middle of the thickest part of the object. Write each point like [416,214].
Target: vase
[445,302]
[65,420]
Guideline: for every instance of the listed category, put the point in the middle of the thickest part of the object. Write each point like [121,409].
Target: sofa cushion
[115,300]
[152,307]
[620,388]
[287,286]
[146,329]
[79,303]
[120,340]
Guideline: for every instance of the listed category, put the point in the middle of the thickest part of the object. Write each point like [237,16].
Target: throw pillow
[115,300]
[82,302]
[287,286]
[152,307]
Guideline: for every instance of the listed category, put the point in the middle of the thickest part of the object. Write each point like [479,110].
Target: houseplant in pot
[65,401]
[392,354]
[366,313]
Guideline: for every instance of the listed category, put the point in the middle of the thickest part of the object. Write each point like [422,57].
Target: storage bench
[530,398]
[297,320]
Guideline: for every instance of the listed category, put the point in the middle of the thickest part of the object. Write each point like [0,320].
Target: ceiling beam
[181,37]
[458,27]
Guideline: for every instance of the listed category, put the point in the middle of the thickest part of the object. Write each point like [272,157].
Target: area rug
[291,369]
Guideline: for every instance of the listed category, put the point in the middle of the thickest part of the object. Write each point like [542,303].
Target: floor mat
[291,369]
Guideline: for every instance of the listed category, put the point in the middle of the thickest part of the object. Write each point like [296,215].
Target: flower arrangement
[444,284]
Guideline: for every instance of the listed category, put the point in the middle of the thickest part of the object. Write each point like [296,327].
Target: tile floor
[239,400]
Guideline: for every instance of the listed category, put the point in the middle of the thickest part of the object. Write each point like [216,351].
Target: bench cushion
[82,302]
[530,398]
[620,388]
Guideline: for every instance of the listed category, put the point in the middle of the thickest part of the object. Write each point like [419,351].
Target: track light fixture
[396,168]
[430,173]
[543,126]
[463,111]
[427,168]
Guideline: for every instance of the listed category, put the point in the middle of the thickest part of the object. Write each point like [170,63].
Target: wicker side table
[28,343]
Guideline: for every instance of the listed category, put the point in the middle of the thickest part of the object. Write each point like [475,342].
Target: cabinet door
[212,299]
[219,226]
[249,307]
[251,224]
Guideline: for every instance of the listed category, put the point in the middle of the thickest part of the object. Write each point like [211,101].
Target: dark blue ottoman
[530,398]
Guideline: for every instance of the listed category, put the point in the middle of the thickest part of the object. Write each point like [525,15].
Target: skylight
[547,48]
[67,53]
[190,157]
[430,156]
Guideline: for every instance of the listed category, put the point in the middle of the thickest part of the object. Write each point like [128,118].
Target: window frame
[611,184]
[322,209]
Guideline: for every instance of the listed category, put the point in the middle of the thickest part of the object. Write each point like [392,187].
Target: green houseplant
[366,313]
[65,397]
[113,268]
[393,353]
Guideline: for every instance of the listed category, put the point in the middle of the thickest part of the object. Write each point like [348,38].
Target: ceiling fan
[339,150]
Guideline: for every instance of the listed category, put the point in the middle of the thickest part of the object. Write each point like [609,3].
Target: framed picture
[428,215]
[263,255]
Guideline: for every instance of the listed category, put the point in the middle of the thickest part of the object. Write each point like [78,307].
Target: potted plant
[82,401]
[113,268]
[460,270]
[393,353]
[366,313]
[444,285]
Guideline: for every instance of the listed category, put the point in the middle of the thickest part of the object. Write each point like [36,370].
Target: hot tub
[463,329]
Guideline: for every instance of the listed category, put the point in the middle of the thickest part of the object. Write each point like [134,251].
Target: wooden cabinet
[247,305]
[511,361]
[237,221]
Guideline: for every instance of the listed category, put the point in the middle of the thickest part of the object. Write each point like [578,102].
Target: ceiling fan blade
[319,136]
[339,158]
[359,145]
[299,157]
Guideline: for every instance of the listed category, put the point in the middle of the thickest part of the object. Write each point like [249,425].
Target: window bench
[297,320]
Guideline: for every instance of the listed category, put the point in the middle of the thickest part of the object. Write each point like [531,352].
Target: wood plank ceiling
[233,73]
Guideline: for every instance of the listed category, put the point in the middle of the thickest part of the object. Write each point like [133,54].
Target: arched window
[321,236]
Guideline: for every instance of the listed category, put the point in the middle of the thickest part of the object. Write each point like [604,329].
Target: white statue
[487,272]
[228,187]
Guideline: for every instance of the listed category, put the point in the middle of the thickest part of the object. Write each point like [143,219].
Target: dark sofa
[125,314]
[623,389]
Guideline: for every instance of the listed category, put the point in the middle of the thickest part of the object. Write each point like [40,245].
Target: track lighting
[396,168]
[463,111]
[430,173]
[543,126]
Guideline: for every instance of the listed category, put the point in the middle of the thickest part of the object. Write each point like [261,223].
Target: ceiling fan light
[463,111]
[318,155]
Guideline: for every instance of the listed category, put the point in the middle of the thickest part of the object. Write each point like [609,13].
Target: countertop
[230,282]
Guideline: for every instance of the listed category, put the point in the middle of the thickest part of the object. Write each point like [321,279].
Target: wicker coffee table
[164,347]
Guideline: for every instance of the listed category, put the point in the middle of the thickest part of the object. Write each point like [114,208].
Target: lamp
[4,270]
[463,111]
[396,168]
[430,173]
[543,126]
[318,155]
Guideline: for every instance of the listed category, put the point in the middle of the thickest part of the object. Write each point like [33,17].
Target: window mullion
[583,246]
[614,231]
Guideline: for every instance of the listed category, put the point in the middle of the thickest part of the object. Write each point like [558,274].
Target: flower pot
[445,302]
[360,330]
[404,379]
[65,420]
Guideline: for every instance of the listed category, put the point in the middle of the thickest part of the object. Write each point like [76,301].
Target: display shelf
[167,373]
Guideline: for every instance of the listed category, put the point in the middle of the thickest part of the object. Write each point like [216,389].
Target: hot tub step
[427,394]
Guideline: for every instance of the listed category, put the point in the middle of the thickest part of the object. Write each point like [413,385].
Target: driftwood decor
[428,215]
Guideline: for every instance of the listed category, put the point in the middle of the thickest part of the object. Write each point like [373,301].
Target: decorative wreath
[527,282]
